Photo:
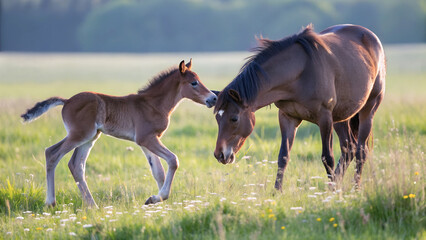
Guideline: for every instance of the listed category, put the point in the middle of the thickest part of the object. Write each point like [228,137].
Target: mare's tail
[42,107]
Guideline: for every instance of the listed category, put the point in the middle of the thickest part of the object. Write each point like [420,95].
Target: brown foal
[141,118]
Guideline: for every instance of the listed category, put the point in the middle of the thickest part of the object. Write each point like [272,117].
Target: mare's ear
[189,65]
[182,67]
[215,92]
[235,95]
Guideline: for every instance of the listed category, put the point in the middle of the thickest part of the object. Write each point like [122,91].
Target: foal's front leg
[156,167]
[154,145]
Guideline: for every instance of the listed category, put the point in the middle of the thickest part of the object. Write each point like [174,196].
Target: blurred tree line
[192,25]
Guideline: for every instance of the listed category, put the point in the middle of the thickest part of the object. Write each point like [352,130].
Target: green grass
[209,200]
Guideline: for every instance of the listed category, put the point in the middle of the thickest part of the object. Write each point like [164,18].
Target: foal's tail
[42,107]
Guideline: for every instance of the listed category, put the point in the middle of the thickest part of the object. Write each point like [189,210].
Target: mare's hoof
[50,205]
[153,200]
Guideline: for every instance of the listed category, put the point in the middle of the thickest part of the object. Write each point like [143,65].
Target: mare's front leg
[153,144]
[325,124]
[156,167]
[288,128]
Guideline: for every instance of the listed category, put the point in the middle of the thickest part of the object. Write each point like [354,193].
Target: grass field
[209,200]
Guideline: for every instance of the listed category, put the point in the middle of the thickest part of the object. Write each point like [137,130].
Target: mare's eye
[194,83]
[234,119]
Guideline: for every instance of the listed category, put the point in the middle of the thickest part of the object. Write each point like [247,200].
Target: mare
[334,79]
[141,118]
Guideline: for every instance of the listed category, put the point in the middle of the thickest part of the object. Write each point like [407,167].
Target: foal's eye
[194,83]
[234,119]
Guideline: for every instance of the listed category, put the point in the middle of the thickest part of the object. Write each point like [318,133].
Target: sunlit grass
[209,200]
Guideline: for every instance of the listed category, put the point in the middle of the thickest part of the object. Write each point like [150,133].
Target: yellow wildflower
[416,173]
[271,215]
[405,197]
[335,225]
[270,210]
[319,219]
[84,217]
[331,219]
[411,195]
[39,228]
[283,227]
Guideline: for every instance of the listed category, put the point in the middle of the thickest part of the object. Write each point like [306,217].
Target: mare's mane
[157,80]
[247,82]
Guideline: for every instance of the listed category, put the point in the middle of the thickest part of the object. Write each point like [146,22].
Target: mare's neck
[283,72]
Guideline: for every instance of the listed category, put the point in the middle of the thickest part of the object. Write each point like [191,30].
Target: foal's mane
[247,82]
[157,80]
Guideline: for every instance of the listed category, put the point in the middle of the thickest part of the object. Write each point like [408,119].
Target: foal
[141,118]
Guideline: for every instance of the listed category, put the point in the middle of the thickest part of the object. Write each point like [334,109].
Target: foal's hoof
[153,200]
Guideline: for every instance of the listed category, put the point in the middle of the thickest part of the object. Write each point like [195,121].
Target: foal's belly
[122,133]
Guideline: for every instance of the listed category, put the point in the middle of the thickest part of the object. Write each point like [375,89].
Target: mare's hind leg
[288,128]
[365,126]
[326,129]
[156,167]
[53,156]
[77,166]
[347,147]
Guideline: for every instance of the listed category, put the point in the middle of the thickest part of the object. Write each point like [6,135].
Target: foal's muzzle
[211,101]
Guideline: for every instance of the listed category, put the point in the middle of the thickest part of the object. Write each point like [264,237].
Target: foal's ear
[235,95]
[189,65]
[182,67]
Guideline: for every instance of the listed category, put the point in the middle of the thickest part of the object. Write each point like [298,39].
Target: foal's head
[193,88]
[236,122]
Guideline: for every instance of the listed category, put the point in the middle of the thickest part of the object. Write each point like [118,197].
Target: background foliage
[193,25]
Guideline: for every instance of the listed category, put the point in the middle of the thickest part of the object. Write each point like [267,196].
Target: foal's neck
[164,97]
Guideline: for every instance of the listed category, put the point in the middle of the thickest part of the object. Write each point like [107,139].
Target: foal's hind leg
[156,167]
[347,147]
[53,156]
[77,166]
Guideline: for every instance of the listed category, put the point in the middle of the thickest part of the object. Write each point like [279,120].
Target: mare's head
[236,122]
[192,87]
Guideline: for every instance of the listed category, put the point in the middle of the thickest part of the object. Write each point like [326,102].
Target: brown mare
[141,118]
[334,79]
